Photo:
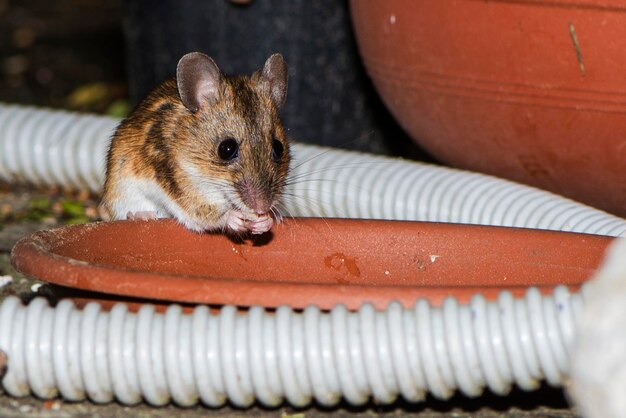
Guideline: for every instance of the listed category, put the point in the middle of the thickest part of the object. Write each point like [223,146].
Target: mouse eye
[228,149]
[277,149]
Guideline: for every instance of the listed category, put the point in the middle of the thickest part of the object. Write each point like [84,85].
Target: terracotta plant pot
[308,261]
[533,91]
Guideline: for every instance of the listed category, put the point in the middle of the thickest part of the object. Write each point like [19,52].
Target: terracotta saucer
[308,261]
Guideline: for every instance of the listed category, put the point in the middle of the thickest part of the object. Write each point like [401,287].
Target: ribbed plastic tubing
[280,356]
[272,357]
[58,148]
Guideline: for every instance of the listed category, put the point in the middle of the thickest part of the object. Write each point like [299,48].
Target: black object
[330,99]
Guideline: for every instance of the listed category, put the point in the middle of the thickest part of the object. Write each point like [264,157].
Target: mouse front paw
[261,224]
[237,222]
[144,215]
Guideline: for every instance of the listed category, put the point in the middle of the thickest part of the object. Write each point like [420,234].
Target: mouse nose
[259,205]
[256,198]
[262,210]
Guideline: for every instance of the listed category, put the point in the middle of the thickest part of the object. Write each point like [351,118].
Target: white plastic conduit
[59,148]
[336,183]
[297,357]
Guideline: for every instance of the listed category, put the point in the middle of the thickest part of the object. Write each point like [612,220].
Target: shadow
[55,293]
[546,401]
[256,240]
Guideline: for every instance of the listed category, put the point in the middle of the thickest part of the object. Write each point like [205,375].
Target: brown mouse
[205,148]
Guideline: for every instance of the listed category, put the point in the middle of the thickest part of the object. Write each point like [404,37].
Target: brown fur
[150,143]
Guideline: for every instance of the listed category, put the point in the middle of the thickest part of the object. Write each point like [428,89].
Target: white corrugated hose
[299,357]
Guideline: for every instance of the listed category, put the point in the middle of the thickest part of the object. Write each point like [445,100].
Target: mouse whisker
[338,146]
[348,184]
[276,215]
[290,184]
[318,215]
[358,164]
[279,208]
[304,174]
[313,205]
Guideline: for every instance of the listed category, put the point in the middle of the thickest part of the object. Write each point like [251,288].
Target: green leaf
[72,208]
[119,108]
[38,208]
[40,203]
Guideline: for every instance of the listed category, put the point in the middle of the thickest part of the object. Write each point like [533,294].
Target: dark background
[62,54]
[104,56]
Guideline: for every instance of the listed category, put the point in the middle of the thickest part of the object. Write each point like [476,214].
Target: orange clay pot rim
[36,255]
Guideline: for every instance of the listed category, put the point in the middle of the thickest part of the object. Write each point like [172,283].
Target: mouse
[205,148]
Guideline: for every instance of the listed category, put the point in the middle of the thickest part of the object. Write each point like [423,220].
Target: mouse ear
[198,79]
[275,71]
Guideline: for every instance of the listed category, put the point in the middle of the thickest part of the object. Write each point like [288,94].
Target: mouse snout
[255,197]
